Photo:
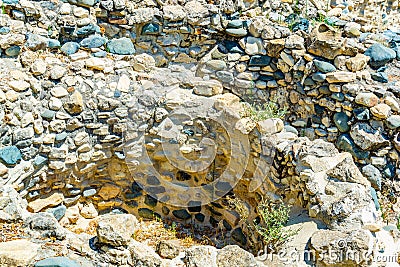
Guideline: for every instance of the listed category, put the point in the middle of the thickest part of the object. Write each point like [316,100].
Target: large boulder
[116,229]
[17,252]
[336,248]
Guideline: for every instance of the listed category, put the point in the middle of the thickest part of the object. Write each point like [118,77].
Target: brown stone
[367,99]
[382,111]
[50,201]
[340,77]
[109,191]
[75,104]
[275,47]
[357,63]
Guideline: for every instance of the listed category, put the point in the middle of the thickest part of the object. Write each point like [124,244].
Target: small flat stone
[96,63]
[59,92]
[93,41]
[341,121]
[340,77]
[50,201]
[13,51]
[260,61]
[70,48]
[19,85]
[380,77]
[394,121]
[236,32]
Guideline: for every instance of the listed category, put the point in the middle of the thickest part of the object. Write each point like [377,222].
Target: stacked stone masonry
[100,98]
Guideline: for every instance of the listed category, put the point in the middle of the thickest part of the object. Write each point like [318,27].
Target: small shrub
[261,112]
[398,223]
[274,217]
[270,228]
[3,9]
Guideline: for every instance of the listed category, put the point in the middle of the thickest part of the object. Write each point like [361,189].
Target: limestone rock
[18,252]
[340,77]
[44,225]
[19,85]
[143,62]
[245,125]
[270,126]
[57,72]
[12,206]
[367,99]
[233,255]
[347,171]
[52,200]
[201,256]
[75,103]
[366,137]
[143,255]
[207,88]
[38,67]
[109,191]
[381,111]
[96,63]
[357,63]
[174,12]
[168,249]
[359,242]
[116,229]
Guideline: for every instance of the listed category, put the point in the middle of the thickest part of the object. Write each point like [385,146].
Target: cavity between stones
[178,193]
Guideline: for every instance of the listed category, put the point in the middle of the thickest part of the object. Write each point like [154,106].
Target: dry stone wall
[119,105]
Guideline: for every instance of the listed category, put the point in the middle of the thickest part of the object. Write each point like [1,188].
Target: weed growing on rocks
[269,226]
[273,218]
[262,112]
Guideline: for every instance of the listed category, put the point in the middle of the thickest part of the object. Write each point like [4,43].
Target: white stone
[123,83]
[38,67]
[59,92]
[19,85]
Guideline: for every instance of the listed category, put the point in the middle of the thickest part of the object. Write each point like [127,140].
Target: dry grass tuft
[150,232]
[11,231]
